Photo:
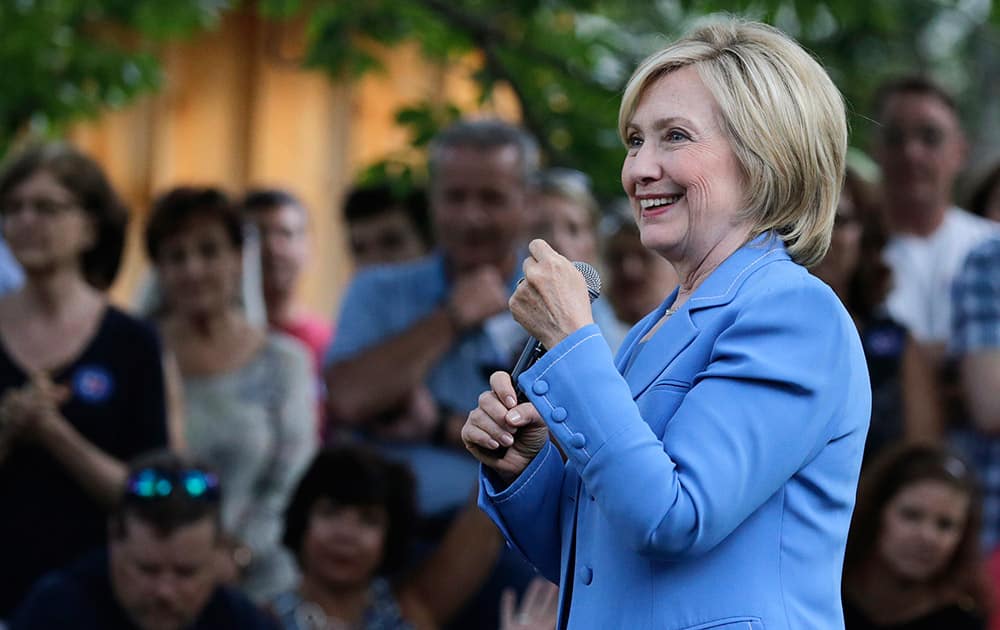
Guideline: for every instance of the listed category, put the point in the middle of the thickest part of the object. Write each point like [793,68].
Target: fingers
[490,418]
[540,249]
[503,387]
[507,608]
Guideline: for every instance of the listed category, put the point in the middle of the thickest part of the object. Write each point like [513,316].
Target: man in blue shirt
[417,341]
[161,568]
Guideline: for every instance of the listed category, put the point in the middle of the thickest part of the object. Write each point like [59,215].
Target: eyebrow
[663,123]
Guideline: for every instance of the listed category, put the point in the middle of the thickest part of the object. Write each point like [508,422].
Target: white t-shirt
[923,268]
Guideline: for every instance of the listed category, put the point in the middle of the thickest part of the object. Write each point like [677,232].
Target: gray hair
[486,135]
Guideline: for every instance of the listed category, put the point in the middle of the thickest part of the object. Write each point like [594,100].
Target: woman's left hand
[31,410]
[552,301]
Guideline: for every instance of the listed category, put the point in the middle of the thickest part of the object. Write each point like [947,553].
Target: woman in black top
[913,560]
[81,383]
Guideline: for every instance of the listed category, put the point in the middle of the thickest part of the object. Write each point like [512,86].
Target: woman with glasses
[913,559]
[248,393]
[81,383]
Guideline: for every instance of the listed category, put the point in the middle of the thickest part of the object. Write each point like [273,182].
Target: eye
[675,135]
[633,141]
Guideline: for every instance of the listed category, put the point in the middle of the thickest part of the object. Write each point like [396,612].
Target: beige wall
[237,111]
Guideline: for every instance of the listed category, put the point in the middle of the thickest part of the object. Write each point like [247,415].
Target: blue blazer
[710,472]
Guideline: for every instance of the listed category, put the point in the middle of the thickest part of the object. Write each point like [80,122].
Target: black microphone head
[592,277]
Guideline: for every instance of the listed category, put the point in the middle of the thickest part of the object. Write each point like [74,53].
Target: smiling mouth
[659,202]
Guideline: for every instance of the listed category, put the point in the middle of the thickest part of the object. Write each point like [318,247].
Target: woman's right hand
[499,421]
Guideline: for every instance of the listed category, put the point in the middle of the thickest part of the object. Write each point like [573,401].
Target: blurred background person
[416,341]
[905,404]
[975,347]
[913,558]
[568,217]
[637,280]
[81,382]
[249,393]
[159,571]
[282,229]
[384,228]
[351,524]
[921,147]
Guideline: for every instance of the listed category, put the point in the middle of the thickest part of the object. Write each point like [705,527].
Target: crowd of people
[220,457]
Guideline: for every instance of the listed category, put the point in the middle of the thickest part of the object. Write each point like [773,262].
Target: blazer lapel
[655,356]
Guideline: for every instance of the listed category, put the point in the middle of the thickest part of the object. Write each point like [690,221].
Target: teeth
[659,201]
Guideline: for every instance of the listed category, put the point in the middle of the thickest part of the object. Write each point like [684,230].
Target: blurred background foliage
[566,61]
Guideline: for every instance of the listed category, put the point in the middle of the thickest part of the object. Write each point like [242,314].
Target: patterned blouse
[382,613]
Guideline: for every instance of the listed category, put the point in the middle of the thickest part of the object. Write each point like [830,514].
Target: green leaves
[64,59]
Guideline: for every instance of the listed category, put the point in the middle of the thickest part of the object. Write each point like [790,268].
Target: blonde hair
[784,117]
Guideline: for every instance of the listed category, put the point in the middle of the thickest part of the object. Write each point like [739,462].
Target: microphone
[533,349]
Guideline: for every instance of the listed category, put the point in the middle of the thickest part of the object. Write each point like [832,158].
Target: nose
[165,588]
[640,168]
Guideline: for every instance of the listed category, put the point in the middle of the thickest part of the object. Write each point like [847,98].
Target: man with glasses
[160,571]
[921,148]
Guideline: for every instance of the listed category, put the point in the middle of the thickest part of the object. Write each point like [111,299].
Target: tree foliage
[63,59]
[566,61]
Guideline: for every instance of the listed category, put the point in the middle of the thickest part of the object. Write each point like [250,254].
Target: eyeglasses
[44,207]
[154,483]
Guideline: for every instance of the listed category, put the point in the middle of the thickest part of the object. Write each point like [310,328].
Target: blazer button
[577,440]
[586,575]
[559,414]
[540,387]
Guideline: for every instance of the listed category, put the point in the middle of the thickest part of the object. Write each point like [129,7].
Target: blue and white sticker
[93,384]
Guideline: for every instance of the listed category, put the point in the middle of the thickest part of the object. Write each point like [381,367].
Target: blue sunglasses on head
[153,483]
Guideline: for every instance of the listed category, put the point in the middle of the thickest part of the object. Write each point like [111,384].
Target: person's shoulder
[985,253]
[228,608]
[285,348]
[130,330]
[783,278]
[412,274]
[67,593]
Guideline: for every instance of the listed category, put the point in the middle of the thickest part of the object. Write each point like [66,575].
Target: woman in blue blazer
[704,477]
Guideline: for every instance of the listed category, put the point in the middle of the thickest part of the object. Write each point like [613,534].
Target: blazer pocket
[658,404]
[730,623]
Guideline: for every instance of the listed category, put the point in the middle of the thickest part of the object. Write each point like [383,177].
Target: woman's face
[844,254]
[44,224]
[569,226]
[344,544]
[199,268]
[680,173]
[921,528]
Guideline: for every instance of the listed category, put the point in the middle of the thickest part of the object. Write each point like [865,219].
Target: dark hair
[981,195]
[912,84]
[166,514]
[355,476]
[258,199]
[373,200]
[86,181]
[871,280]
[486,135]
[897,468]
[176,208]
